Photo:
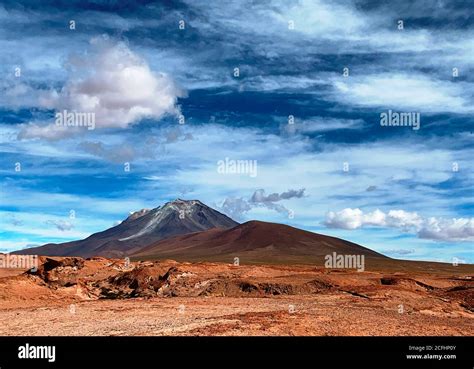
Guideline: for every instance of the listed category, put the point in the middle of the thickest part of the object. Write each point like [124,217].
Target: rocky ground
[73,296]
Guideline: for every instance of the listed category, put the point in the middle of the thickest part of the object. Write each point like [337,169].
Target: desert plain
[117,297]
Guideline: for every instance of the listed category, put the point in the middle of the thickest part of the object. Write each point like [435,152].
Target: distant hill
[254,241]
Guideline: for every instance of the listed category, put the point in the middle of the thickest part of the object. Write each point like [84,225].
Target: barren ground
[70,296]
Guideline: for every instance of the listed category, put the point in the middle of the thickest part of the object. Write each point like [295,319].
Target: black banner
[236,352]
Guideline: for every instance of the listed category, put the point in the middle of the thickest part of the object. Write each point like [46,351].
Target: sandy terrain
[105,297]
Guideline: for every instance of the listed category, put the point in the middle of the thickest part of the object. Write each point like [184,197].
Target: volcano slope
[254,242]
[98,296]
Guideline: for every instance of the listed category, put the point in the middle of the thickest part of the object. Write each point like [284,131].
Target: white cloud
[48,131]
[321,124]
[438,229]
[320,18]
[402,219]
[417,93]
[414,92]
[13,94]
[377,217]
[114,153]
[400,251]
[113,83]
[61,225]
[346,219]
[456,229]
[11,245]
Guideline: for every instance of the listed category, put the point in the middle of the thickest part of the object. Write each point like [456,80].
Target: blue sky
[142,66]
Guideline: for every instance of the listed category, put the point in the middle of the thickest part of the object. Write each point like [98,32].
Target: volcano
[140,229]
